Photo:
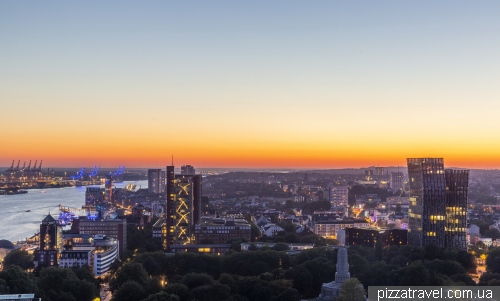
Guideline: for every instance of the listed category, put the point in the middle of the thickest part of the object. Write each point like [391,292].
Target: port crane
[11,168]
[78,174]
[119,171]
[25,171]
[17,168]
[93,172]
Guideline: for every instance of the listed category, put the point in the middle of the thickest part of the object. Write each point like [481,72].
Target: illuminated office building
[438,204]
[188,170]
[379,171]
[108,188]
[397,180]
[337,195]
[93,196]
[183,207]
[156,181]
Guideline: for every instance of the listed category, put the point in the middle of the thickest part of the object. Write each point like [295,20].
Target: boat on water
[43,191]
[27,211]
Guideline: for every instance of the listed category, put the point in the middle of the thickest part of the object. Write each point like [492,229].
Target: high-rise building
[397,181]
[108,187]
[183,207]
[51,242]
[337,195]
[93,196]
[438,204]
[156,181]
[188,170]
[379,171]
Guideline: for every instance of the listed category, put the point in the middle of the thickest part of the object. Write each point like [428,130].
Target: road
[103,292]
[481,268]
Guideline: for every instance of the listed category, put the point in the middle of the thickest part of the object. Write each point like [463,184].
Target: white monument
[330,291]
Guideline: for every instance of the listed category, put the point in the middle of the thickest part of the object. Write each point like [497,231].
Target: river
[16,223]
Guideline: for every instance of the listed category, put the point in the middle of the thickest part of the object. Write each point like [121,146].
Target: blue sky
[321,68]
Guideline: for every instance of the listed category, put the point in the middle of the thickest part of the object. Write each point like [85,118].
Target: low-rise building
[369,237]
[77,257]
[158,228]
[329,229]
[270,229]
[107,251]
[114,228]
[292,246]
[220,231]
[212,249]
[367,199]
[99,257]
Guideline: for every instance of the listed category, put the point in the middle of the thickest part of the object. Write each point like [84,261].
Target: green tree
[379,251]
[352,290]
[302,279]
[321,270]
[193,280]
[492,233]
[493,260]
[288,227]
[466,259]
[129,291]
[85,273]
[281,247]
[214,292]
[151,266]
[14,280]
[19,257]
[56,282]
[132,271]
[254,232]
[291,238]
[162,296]
[227,279]
[414,274]
[289,294]
[177,289]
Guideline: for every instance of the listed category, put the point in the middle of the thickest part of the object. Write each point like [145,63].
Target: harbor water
[17,224]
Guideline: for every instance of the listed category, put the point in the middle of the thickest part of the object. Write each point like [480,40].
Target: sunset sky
[258,84]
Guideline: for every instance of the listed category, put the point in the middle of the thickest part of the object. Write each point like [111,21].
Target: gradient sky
[290,84]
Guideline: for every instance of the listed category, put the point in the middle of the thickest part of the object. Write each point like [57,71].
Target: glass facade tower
[438,204]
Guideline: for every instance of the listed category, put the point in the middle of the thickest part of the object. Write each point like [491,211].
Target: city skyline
[286,84]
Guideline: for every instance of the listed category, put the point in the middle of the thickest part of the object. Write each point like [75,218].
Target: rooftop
[343,222]
[200,246]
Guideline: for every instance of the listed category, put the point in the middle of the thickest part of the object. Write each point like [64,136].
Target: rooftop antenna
[172,160]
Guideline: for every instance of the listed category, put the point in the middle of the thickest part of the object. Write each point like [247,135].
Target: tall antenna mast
[172,160]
